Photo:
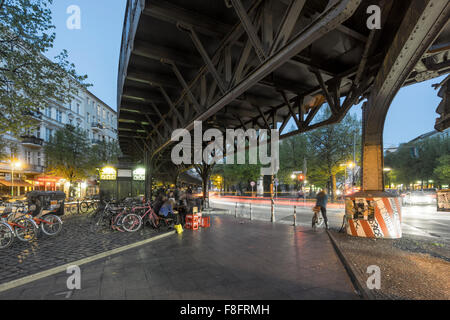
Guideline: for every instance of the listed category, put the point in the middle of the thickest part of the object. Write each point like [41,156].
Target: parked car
[419,198]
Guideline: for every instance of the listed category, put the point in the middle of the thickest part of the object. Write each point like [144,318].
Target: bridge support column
[148,174]
[373,212]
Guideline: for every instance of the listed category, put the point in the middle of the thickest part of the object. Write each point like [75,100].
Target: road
[416,220]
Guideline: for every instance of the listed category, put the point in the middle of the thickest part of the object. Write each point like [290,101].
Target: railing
[35,168]
[96,125]
[32,140]
[96,141]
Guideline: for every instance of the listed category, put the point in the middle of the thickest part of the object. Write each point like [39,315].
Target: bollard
[78,206]
[235,211]
[272,210]
[295,215]
[250,211]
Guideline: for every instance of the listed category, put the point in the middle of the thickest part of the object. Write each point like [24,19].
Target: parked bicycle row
[128,216]
[26,227]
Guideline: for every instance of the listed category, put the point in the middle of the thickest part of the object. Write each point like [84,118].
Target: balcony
[32,142]
[96,126]
[32,168]
[96,141]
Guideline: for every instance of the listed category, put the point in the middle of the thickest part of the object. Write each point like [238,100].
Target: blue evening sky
[95,51]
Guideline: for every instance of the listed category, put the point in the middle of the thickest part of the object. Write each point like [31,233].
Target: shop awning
[16,183]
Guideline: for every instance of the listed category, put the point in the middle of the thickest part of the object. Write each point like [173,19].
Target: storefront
[122,182]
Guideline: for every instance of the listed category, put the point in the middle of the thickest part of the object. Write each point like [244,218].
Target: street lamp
[14,164]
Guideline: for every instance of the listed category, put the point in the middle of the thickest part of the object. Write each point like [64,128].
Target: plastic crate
[206,222]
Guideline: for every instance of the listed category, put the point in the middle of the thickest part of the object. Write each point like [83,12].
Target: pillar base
[373,215]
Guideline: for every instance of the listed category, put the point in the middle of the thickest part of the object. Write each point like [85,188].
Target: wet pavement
[233,259]
[75,242]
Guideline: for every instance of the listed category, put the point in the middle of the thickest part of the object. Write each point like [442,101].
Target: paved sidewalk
[75,242]
[234,259]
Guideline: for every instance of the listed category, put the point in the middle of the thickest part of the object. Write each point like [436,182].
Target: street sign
[275,181]
[297,172]
[253,183]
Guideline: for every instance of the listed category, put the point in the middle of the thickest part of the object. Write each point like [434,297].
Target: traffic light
[301,177]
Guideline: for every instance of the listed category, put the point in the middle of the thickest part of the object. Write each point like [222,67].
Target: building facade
[27,159]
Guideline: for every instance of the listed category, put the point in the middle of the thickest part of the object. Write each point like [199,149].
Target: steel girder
[222,91]
[423,22]
[329,20]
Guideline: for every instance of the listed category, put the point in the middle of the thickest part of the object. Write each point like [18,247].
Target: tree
[418,161]
[67,155]
[28,80]
[331,146]
[293,151]
[104,153]
[442,171]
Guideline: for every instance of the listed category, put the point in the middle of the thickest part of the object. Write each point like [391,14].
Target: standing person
[321,201]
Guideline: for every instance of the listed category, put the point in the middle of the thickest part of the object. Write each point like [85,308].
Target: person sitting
[167,211]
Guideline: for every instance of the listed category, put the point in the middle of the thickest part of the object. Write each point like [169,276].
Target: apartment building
[27,170]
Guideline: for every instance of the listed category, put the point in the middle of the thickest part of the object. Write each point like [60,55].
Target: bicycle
[87,205]
[317,220]
[6,235]
[104,217]
[147,215]
[25,228]
[49,224]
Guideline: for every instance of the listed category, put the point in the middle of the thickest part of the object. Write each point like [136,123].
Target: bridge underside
[259,63]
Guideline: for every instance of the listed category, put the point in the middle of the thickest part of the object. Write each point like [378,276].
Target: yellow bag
[179,228]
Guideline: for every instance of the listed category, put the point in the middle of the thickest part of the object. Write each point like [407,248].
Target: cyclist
[321,201]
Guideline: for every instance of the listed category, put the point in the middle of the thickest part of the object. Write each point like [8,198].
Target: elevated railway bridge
[260,63]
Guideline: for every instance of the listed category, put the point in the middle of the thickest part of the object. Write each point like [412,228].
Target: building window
[38,132]
[78,108]
[88,118]
[39,161]
[48,134]
[58,115]
[48,112]
[28,156]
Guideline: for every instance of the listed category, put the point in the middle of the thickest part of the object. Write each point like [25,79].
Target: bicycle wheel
[52,225]
[84,207]
[6,236]
[131,222]
[25,230]
[101,222]
[319,221]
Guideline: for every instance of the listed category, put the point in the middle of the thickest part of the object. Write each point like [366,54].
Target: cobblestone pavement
[75,242]
[233,259]
[411,267]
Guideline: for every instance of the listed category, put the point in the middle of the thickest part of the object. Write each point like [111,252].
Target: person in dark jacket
[321,201]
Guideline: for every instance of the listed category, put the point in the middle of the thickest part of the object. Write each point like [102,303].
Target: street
[417,220]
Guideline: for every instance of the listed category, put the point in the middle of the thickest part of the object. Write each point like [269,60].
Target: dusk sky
[95,49]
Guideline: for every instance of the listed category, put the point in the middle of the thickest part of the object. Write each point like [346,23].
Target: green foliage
[68,154]
[28,80]
[429,162]
[442,171]
[104,153]
[234,174]
[324,150]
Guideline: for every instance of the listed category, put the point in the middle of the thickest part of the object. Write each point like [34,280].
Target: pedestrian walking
[321,201]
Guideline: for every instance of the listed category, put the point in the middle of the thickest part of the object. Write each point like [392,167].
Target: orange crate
[206,222]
